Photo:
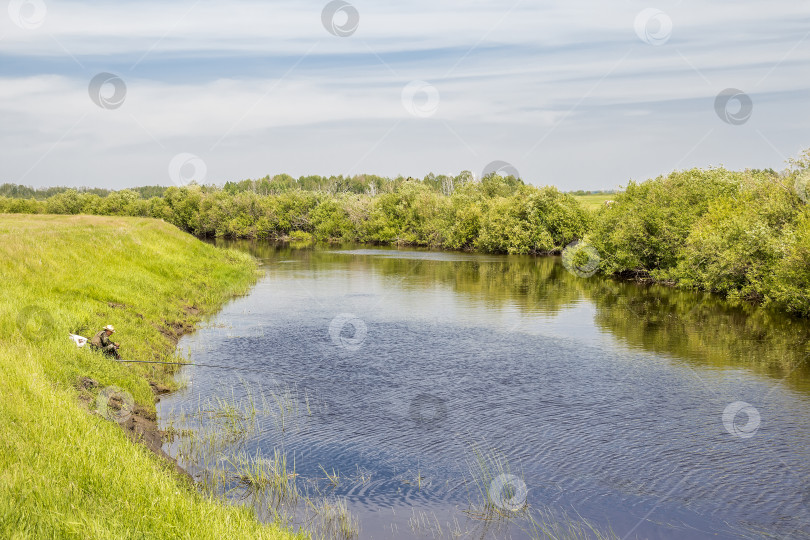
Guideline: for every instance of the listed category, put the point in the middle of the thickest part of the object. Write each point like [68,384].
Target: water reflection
[694,326]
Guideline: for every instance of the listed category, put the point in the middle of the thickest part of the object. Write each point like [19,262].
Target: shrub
[789,284]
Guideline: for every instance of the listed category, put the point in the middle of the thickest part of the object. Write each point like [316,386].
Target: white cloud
[260,87]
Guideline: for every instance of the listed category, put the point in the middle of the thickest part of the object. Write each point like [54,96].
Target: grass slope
[65,473]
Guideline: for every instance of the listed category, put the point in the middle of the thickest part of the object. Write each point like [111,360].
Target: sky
[579,94]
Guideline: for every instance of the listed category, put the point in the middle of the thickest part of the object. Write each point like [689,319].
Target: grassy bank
[66,472]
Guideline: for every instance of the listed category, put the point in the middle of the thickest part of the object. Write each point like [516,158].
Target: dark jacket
[102,341]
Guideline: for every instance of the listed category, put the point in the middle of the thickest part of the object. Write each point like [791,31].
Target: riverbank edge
[142,426]
[40,235]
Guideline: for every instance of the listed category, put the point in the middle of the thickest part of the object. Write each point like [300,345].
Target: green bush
[733,247]
[649,222]
[330,220]
[789,283]
[531,221]
[741,234]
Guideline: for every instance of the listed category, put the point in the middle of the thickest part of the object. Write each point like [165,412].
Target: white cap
[110,328]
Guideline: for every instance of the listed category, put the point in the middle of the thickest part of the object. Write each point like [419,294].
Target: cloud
[259,88]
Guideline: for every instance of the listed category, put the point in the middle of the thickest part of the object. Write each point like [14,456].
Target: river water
[425,382]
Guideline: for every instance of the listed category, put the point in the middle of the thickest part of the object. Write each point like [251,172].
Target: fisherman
[101,342]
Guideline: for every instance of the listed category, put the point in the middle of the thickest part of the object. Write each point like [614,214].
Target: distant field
[592,202]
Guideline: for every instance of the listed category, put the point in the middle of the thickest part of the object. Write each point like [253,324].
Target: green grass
[595,201]
[67,473]
[496,498]
[334,521]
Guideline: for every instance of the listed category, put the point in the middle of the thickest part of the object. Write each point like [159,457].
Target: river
[447,395]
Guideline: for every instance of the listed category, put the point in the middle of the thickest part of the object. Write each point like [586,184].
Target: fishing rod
[215,366]
[81,341]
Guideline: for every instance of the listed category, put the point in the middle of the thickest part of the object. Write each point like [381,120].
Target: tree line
[496,214]
[742,234]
